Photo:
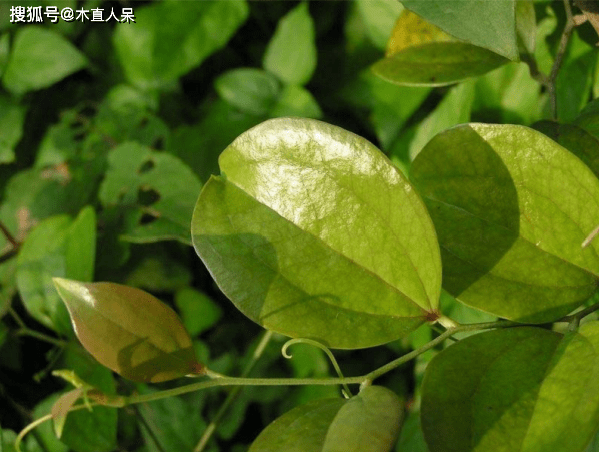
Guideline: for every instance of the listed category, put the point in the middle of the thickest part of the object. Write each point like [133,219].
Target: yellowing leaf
[129,330]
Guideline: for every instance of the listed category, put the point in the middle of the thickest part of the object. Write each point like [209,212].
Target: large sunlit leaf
[311,232]
[129,330]
[522,389]
[368,422]
[511,208]
[488,24]
[437,64]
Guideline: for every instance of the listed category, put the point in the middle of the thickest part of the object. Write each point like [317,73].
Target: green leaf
[526,25]
[368,422]
[40,57]
[275,235]
[221,123]
[511,208]
[480,393]
[437,64]
[56,247]
[454,109]
[379,17]
[4,51]
[411,30]
[302,429]
[291,53]
[198,312]
[573,85]
[520,389]
[12,117]
[491,25]
[575,139]
[296,101]
[176,423]
[129,331]
[170,38]
[251,90]
[158,184]
[508,95]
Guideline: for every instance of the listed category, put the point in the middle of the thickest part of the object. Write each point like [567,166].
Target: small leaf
[251,90]
[526,25]
[437,64]
[291,53]
[511,208]
[12,118]
[129,331]
[61,408]
[40,57]
[378,17]
[158,184]
[312,224]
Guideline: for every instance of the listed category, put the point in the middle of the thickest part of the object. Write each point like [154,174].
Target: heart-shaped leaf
[368,422]
[523,389]
[129,330]
[511,208]
[311,232]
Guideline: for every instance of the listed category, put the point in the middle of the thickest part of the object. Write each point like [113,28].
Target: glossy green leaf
[129,331]
[12,117]
[488,24]
[523,389]
[251,90]
[310,225]
[575,139]
[170,38]
[58,246]
[368,422]
[161,186]
[40,57]
[291,53]
[437,64]
[511,208]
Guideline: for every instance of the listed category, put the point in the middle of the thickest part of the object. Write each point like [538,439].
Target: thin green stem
[578,316]
[559,57]
[24,330]
[8,235]
[234,393]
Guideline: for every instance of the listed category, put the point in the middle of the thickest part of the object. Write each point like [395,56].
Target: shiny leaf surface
[129,331]
[309,226]
[512,209]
